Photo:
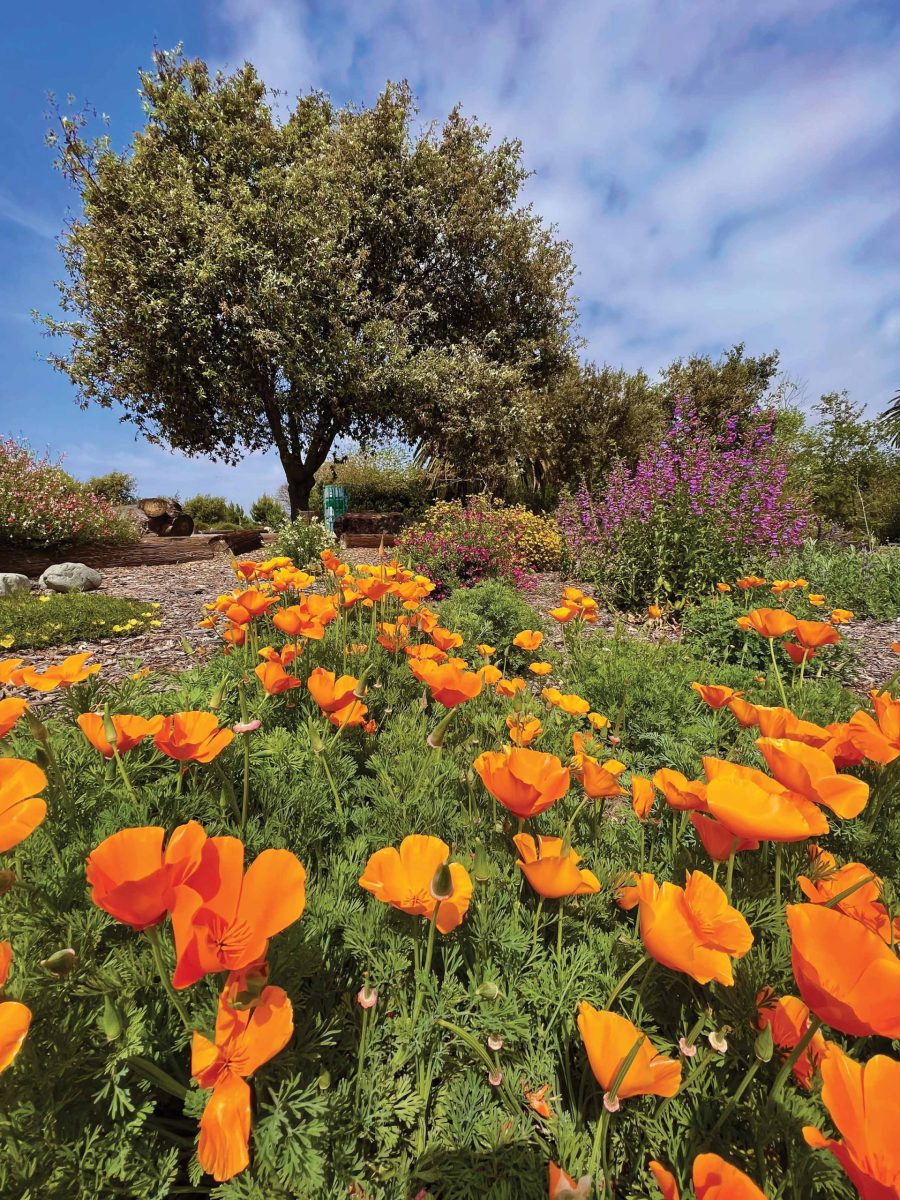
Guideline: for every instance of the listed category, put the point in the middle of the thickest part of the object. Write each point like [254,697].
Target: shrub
[214,510]
[376,481]
[117,487]
[42,506]
[267,511]
[863,580]
[302,540]
[460,543]
[491,612]
[695,509]
[29,621]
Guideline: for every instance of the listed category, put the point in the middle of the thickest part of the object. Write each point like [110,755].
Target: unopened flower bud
[246,726]
[109,728]
[315,741]
[495,1041]
[112,1020]
[481,867]
[764,1046]
[218,696]
[487,991]
[42,758]
[324,1081]
[436,737]
[614,741]
[442,883]
[7,881]
[37,728]
[367,997]
[61,963]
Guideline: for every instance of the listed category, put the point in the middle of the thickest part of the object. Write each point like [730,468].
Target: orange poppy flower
[449,683]
[654,612]
[375,589]
[307,619]
[223,916]
[597,721]
[745,713]
[691,929]
[816,599]
[394,636]
[716,695]
[329,693]
[527,782]
[234,635]
[245,1039]
[609,1039]
[814,634]
[841,616]
[599,780]
[523,729]
[551,872]
[788,1018]
[751,581]
[275,679]
[403,878]
[753,805]
[878,739]
[715,1179]
[643,794]
[490,674]
[723,588]
[70,671]
[10,672]
[509,687]
[718,841]
[134,879]
[537,1100]
[827,880]
[680,792]
[350,716]
[567,701]
[15,1019]
[192,737]
[846,974]
[255,603]
[540,668]
[130,731]
[771,622]
[859,1100]
[564,613]
[445,640]
[564,1187]
[810,772]
[21,808]
[777,722]
[11,710]
[6,956]
[485,650]
[797,654]
[284,655]
[665,1180]
[424,653]
[528,639]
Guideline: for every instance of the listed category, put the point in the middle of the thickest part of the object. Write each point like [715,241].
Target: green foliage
[117,487]
[210,511]
[30,621]
[266,510]
[376,481]
[491,612]
[340,273]
[865,581]
[302,540]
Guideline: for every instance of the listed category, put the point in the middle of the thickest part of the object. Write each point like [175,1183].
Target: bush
[458,543]
[491,612]
[27,622]
[379,481]
[214,510]
[697,507]
[117,487]
[267,511]
[42,506]
[302,540]
[863,580]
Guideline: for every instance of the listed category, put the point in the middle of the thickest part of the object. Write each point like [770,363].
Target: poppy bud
[109,729]
[436,737]
[187,647]
[42,758]
[7,881]
[487,991]
[315,741]
[614,741]
[112,1022]
[61,963]
[481,868]
[764,1046]
[324,1081]
[218,696]
[442,883]
[37,727]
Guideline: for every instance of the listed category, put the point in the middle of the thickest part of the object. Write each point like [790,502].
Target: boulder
[12,584]
[70,577]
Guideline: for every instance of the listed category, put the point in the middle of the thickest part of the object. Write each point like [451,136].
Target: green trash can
[335,504]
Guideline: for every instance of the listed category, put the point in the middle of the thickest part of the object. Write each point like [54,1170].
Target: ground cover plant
[31,620]
[341,912]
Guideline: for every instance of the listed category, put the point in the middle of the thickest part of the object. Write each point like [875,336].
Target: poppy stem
[339,808]
[598,1153]
[156,946]
[778,850]
[559,930]
[815,1023]
[642,847]
[735,1099]
[778,673]
[245,797]
[537,918]
[729,875]
[123,774]
[426,969]
[629,974]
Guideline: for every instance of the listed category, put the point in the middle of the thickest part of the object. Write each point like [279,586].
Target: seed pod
[487,991]
[764,1046]
[112,1020]
[442,883]
[61,963]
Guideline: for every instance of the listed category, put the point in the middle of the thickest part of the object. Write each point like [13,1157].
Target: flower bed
[341,913]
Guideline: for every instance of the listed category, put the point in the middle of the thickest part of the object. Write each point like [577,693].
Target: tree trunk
[300,476]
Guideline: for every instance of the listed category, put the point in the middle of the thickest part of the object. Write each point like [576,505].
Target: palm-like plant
[889,421]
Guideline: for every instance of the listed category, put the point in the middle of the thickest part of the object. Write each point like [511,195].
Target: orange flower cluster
[64,674]
[576,606]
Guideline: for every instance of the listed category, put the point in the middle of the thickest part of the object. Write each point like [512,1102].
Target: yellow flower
[117,628]
[43,599]
[597,720]
[7,640]
[540,668]
[141,674]
[156,623]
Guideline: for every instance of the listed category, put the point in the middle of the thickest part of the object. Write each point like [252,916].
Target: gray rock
[71,577]
[12,584]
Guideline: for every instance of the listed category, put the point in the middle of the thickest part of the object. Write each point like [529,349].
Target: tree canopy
[235,281]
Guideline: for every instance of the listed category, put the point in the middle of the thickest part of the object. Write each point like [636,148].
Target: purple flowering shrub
[459,544]
[698,507]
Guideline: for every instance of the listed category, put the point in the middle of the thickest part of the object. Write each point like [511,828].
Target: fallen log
[145,553]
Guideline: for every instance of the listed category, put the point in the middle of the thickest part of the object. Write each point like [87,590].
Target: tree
[117,487]
[266,510]
[889,422]
[235,282]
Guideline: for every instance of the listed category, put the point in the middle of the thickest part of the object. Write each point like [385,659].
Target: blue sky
[724,170]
